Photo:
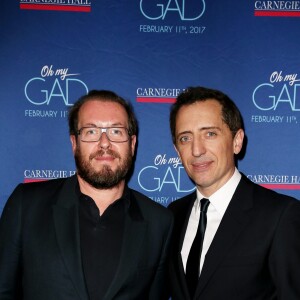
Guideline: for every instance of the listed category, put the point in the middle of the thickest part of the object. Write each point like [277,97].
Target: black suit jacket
[255,253]
[40,246]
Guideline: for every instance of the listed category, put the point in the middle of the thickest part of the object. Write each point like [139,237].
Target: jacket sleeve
[284,260]
[10,248]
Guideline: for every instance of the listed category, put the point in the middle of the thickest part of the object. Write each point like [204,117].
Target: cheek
[221,150]
[86,150]
[227,156]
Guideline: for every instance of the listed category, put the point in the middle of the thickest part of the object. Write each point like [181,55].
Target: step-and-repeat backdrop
[54,51]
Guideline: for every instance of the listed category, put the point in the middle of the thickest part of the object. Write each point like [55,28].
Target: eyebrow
[201,129]
[89,125]
[118,124]
[210,127]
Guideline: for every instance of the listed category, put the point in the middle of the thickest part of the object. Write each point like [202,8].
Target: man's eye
[211,134]
[91,131]
[184,139]
[116,131]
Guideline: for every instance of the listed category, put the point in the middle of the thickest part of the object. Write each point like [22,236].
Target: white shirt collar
[221,198]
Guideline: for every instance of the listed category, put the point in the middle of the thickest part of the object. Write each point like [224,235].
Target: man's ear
[238,141]
[133,142]
[73,142]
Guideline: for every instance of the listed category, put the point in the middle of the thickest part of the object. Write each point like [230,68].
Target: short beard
[105,178]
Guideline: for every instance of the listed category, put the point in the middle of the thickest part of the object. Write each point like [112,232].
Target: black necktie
[193,261]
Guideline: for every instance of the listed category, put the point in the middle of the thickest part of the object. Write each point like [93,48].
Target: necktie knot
[204,205]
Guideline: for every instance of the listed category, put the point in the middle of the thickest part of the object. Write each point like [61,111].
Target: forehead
[208,113]
[97,111]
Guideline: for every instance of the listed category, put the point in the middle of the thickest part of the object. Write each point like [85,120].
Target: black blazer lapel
[134,231]
[65,215]
[182,213]
[234,221]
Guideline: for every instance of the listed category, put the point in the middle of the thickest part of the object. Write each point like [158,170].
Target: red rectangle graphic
[281,186]
[28,180]
[155,100]
[74,8]
[269,13]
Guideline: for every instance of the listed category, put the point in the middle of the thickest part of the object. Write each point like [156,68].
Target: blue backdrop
[54,51]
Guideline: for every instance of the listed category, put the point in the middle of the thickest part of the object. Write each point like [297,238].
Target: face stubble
[106,178]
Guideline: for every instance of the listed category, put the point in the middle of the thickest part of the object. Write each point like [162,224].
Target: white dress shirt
[219,202]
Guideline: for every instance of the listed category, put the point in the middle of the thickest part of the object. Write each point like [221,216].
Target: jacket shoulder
[268,195]
[149,206]
[183,202]
[37,192]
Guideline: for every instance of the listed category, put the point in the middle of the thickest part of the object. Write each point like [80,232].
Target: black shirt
[101,240]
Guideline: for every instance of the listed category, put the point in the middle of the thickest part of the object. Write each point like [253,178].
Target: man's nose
[198,147]
[104,141]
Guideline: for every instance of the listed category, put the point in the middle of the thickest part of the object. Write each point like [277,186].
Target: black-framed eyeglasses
[93,134]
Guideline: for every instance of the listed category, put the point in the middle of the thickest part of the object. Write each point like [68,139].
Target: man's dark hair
[230,113]
[103,96]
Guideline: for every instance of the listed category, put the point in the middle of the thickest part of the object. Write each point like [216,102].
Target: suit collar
[234,221]
[66,222]
[134,231]
[191,200]
[67,195]
[181,222]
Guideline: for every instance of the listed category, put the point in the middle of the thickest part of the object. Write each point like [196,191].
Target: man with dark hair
[88,236]
[232,239]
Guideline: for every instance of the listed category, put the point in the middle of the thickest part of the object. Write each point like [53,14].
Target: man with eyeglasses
[88,236]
